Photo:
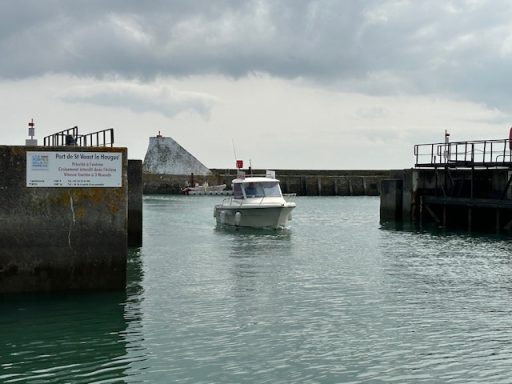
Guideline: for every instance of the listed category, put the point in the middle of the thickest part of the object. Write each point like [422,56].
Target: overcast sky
[292,84]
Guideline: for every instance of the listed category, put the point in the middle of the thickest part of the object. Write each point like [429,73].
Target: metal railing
[101,138]
[65,137]
[480,153]
[71,136]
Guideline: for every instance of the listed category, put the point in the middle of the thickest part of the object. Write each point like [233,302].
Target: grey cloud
[370,113]
[462,48]
[141,98]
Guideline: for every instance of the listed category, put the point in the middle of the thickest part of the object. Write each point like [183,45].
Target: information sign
[74,169]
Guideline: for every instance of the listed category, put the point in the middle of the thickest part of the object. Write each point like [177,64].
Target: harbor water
[336,298]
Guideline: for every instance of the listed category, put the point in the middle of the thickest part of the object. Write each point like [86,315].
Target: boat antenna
[234,149]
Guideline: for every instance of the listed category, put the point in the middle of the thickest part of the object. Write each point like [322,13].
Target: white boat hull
[255,217]
[257,202]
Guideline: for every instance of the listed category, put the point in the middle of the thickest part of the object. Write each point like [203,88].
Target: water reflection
[257,232]
[79,337]
[257,257]
[250,242]
[134,275]
[133,336]
[440,232]
[61,338]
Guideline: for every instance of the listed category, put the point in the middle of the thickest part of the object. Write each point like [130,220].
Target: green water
[336,298]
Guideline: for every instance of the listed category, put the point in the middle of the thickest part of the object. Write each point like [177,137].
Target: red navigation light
[239,164]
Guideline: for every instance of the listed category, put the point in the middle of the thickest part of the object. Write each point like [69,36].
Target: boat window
[262,189]
[272,189]
[253,190]
[237,191]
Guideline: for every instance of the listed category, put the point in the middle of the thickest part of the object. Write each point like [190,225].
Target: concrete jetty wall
[62,232]
[301,182]
[450,198]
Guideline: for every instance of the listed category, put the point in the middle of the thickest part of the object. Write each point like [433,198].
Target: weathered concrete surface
[135,205]
[166,157]
[169,184]
[391,200]
[453,198]
[60,238]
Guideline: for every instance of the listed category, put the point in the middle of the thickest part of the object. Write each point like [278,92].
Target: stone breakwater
[301,182]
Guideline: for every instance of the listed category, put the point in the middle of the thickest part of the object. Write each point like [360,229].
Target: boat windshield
[262,189]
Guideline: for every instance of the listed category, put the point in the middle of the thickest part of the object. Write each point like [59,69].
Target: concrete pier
[450,198]
[301,182]
[63,218]
[462,185]
[169,168]
[391,199]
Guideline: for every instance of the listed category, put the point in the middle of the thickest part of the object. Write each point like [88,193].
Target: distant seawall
[301,182]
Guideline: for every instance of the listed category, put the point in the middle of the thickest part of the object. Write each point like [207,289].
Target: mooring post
[135,205]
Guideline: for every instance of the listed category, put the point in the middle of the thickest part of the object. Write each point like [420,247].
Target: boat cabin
[256,187]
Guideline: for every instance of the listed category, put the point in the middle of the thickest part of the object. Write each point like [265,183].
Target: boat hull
[254,217]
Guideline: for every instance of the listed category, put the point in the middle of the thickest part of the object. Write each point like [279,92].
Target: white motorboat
[205,189]
[256,202]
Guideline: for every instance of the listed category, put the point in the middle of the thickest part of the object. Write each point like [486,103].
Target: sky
[286,84]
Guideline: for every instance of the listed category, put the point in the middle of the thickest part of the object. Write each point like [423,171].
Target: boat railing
[232,201]
[240,202]
[265,175]
[227,200]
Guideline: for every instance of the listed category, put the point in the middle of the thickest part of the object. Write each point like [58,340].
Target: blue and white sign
[74,169]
